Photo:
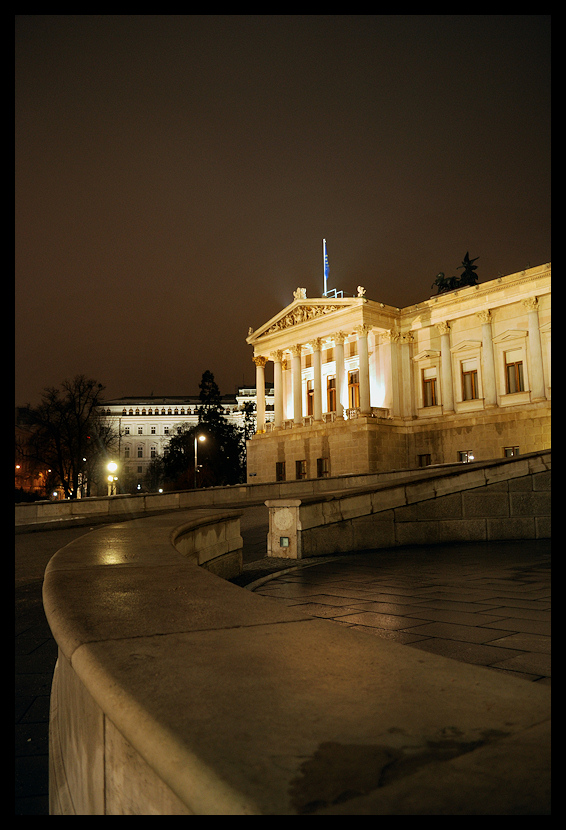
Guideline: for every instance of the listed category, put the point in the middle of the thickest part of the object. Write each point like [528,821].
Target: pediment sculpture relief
[301,314]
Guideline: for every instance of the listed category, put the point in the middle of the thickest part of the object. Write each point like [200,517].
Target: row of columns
[297,381]
[488,370]
[536,375]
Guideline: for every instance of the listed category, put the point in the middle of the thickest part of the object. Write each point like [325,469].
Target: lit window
[331,393]
[354,389]
[509,452]
[310,397]
[514,372]
[322,468]
[469,380]
[429,387]
[465,456]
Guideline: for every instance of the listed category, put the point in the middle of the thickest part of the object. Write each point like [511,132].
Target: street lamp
[111,467]
[197,438]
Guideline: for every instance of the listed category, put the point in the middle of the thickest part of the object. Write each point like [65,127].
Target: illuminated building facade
[144,425]
[363,387]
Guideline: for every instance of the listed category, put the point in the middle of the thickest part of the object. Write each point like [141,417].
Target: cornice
[472,292]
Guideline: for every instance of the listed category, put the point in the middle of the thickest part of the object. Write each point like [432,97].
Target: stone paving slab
[485,604]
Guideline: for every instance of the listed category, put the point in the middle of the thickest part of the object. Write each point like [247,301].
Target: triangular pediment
[510,334]
[301,311]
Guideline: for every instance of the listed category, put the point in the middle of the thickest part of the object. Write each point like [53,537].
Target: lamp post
[112,467]
[197,438]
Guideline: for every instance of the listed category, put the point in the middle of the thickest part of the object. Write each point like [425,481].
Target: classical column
[317,367]
[339,338]
[488,360]
[536,374]
[277,357]
[407,385]
[391,340]
[297,384]
[362,332]
[446,367]
[260,362]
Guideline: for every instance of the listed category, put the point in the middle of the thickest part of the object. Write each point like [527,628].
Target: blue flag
[325,257]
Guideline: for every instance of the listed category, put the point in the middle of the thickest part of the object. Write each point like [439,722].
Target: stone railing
[121,507]
[178,693]
[506,499]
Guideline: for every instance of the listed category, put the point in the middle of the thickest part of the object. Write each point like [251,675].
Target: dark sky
[176,174]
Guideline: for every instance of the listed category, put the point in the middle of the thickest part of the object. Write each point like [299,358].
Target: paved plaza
[481,603]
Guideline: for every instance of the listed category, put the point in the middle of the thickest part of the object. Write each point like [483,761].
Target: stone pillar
[536,375]
[260,362]
[297,384]
[488,361]
[405,341]
[277,358]
[339,338]
[317,369]
[362,332]
[446,368]
[391,340]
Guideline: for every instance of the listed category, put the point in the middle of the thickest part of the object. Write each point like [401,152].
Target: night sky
[176,174]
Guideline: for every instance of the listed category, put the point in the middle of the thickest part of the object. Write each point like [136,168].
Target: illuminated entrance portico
[360,386]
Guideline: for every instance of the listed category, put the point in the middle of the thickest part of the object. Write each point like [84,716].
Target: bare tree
[69,433]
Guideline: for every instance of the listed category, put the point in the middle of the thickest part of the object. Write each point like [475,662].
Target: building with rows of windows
[362,387]
[144,425]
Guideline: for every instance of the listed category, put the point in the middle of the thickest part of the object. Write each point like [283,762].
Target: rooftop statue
[468,277]
[452,283]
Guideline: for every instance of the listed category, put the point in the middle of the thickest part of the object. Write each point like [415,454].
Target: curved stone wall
[178,693]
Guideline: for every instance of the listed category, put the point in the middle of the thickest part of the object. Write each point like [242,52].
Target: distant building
[362,387]
[144,425]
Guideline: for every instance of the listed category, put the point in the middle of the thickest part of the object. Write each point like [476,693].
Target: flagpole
[324,264]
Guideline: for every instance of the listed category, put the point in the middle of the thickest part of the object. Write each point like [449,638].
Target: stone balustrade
[178,693]
[505,499]
[135,506]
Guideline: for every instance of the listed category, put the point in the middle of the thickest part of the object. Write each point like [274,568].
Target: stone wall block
[543,527]
[464,481]
[530,504]
[417,533]
[408,513]
[512,528]
[331,511]
[462,530]
[445,507]
[521,484]
[321,541]
[507,471]
[387,499]
[354,506]
[420,491]
[482,504]
[542,481]
[311,515]
[370,533]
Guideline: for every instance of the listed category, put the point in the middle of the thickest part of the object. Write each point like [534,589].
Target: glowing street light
[112,467]
[197,438]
